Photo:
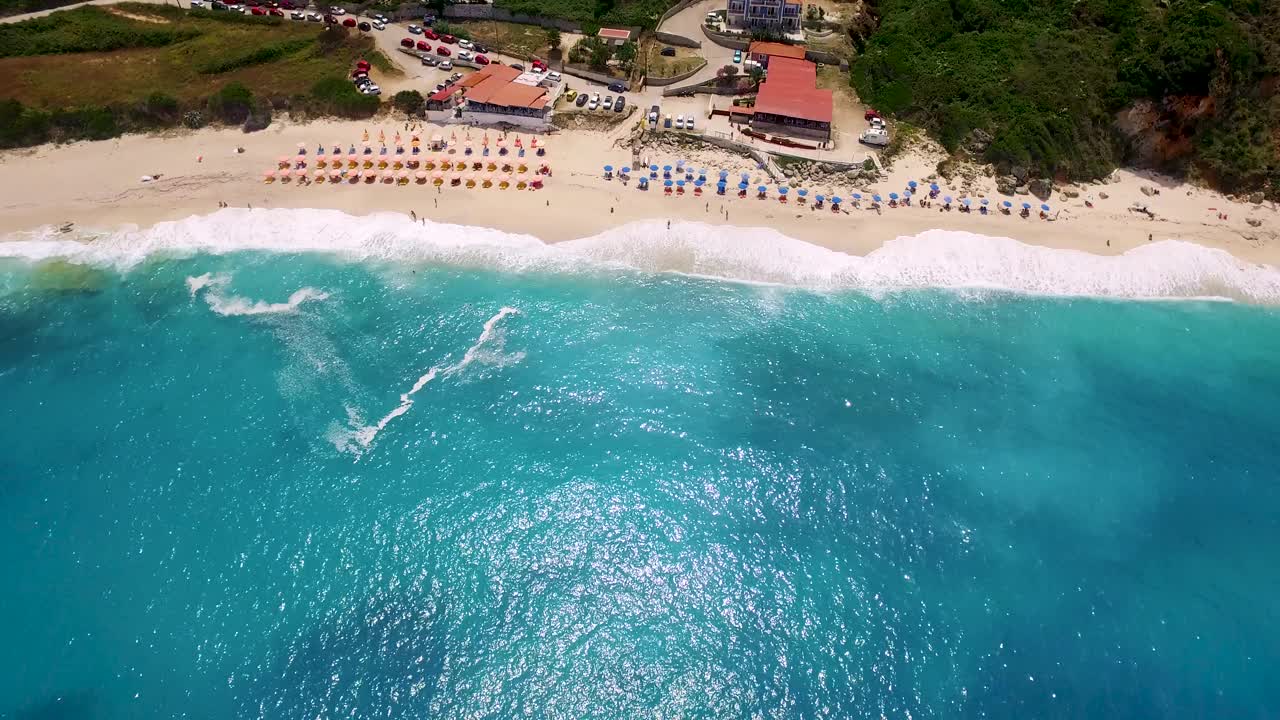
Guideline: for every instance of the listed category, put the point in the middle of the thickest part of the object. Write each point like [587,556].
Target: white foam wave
[235,305]
[936,258]
[488,348]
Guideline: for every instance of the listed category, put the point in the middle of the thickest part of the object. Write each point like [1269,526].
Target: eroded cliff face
[1161,134]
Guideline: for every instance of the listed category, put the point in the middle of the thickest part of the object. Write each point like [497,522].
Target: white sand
[97,185]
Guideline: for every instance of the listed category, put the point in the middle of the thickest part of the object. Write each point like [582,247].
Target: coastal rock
[1255,222]
[1103,195]
[978,141]
[1148,190]
[1020,172]
[1040,187]
[1257,198]
[1022,190]
[1006,184]
[1070,193]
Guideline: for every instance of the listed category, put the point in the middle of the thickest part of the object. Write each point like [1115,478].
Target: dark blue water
[627,496]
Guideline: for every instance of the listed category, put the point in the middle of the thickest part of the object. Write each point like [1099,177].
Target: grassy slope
[1045,77]
[126,75]
[643,13]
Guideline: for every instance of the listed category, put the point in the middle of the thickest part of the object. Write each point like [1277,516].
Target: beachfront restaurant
[501,90]
[790,103]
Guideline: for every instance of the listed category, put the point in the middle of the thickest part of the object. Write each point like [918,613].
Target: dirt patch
[135,16]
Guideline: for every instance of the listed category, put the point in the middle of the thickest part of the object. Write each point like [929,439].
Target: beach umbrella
[762,189]
[624,170]
[893,196]
[1026,206]
[857,196]
[699,182]
[746,176]
[318,173]
[653,169]
[912,184]
[269,174]
[933,187]
[966,201]
[835,200]
[783,190]
[724,174]
[742,185]
[984,201]
[421,175]
[666,169]
[1044,208]
[819,198]
[946,199]
[722,184]
[802,192]
[876,198]
[702,173]
[679,183]
[667,183]
[1006,203]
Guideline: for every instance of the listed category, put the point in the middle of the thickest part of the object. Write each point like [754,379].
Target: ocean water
[444,473]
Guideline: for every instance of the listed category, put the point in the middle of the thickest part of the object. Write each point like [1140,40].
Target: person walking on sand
[413,215]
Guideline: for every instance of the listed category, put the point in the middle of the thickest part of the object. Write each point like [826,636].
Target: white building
[781,16]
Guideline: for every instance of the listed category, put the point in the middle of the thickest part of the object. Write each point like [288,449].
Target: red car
[870,113]
[362,65]
[430,34]
[407,42]
[423,46]
[286,4]
[275,12]
[442,50]
[482,60]
[349,22]
[448,39]
[258,11]
[539,66]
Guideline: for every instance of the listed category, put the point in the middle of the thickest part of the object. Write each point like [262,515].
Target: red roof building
[790,102]
[762,51]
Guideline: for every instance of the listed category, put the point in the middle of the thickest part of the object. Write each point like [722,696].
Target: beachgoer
[413,215]
[668,222]
[1148,237]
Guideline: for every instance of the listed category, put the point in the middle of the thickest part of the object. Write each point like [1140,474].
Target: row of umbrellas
[403,175]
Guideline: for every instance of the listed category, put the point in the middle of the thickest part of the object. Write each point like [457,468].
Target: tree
[757,74]
[553,38]
[600,54]
[627,55]
[409,102]
[727,72]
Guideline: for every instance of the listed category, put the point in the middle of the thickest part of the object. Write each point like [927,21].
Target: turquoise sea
[260,483]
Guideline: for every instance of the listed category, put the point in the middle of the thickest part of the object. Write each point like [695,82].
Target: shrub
[85,29]
[265,54]
[337,96]
[232,103]
[409,102]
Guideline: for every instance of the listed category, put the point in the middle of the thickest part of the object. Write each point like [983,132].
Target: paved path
[688,22]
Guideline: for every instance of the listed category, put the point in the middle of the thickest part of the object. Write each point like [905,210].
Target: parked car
[617,87]
[653,115]
[314,17]
[479,48]
[582,100]
[429,60]
[666,121]
[371,89]
[298,15]
[423,46]
[196,4]
[287,4]
[364,26]
[349,22]
[362,65]
[379,25]
[275,12]
[442,50]
[870,113]
[379,17]
[737,56]
[517,67]
[570,94]
[448,39]
[680,122]
[607,103]
[465,44]
[688,123]
[539,66]
[258,11]
[482,60]
[330,20]
[595,101]
[440,86]
[554,76]
[446,65]
[465,55]
[335,10]
[619,104]
[430,34]
[407,42]
[218,7]
[668,51]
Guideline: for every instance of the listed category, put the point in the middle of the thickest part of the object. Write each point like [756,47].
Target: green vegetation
[1042,80]
[409,102]
[454,29]
[168,66]
[593,13]
[19,7]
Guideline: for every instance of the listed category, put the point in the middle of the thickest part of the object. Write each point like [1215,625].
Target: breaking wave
[233,305]
[936,258]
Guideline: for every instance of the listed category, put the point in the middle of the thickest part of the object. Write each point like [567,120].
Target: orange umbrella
[421,175]
[269,175]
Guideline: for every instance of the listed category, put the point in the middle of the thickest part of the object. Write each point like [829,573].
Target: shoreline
[96,186]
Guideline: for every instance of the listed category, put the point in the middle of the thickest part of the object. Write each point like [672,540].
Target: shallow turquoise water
[638,496]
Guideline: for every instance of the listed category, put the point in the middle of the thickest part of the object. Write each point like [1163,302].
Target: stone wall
[660,81]
[674,39]
[593,76]
[733,42]
[710,87]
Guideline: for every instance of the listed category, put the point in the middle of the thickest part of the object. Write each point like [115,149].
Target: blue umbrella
[906,196]
[984,201]
[819,198]
[666,183]
[876,198]
[742,186]
[1006,203]
[966,201]
[666,168]
[933,186]
[893,196]
[746,176]
[699,182]
[624,169]
[857,196]
[1044,208]
[836,200]
[802,192]
[762,189]
[783,190]
[608,168]
[1026,206]
[946,199]
[680,183]
[912,184]
[724,174]
[703,173]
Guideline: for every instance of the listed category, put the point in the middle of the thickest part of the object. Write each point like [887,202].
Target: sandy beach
[98,186]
